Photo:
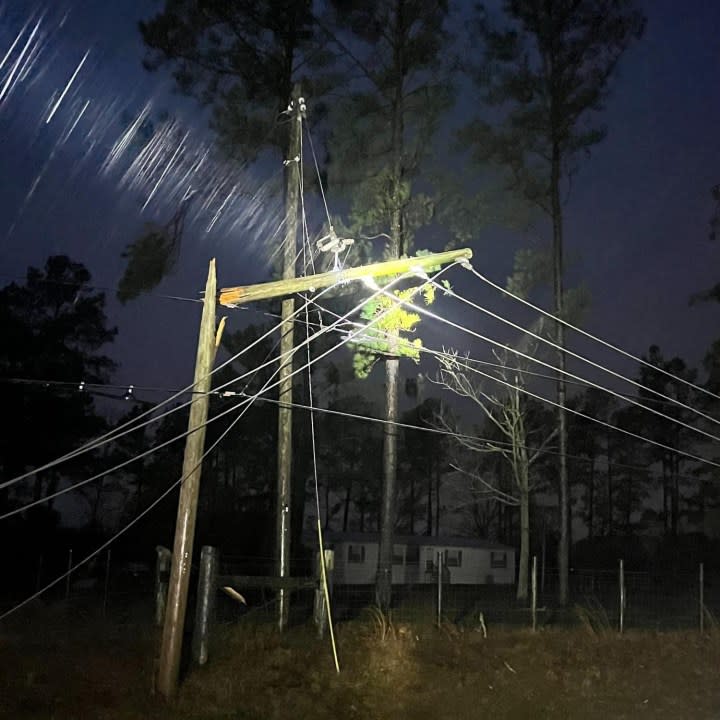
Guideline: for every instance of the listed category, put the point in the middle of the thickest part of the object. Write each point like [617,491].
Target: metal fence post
[622,596]
[702,598]
[162,576]
[543,552]
[439,586]
[207,589]
[69,571]
[107,582]
[533,590]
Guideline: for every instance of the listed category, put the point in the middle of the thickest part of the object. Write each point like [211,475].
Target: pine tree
[546,76]
[382,132]
[55,329]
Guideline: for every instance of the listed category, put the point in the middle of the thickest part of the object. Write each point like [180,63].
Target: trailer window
[453,558]
[356,554]
[498,559]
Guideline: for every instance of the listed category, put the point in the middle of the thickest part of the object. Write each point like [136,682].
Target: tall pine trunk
[383,587]
[564,498]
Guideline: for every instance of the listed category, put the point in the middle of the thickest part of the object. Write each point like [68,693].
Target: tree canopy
[55,331]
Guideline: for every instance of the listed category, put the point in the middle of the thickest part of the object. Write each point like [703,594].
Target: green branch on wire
[394,320]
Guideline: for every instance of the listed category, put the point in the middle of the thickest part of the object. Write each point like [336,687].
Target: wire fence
[125,592]
[649,600]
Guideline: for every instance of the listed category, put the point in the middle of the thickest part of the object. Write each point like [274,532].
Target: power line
[526,356]
[136,457]
[321,559]
[428,313]
[123,530]
[577,356]
[84,286]
[91,387]
[433,430]
[522,371]
[132,425]
[446,355]
[368,418]
[609,345]
[208,422]
[596,420]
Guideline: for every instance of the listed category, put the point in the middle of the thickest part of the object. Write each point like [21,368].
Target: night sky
[637,218]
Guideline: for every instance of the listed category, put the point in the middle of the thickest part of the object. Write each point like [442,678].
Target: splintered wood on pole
[176,606]
[240,295]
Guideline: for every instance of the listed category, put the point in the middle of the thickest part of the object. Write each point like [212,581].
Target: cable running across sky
[134,424]
[427,313]
[590,336]
[220,415]
[598,366]
[566,373]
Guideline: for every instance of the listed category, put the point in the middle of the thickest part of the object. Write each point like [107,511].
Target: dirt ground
[79,667]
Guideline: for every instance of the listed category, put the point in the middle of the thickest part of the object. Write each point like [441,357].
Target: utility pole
[208,341]
[235,296]
[171,647]
[243,294]
[283,505]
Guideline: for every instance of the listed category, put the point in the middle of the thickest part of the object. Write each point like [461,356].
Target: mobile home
[466,561]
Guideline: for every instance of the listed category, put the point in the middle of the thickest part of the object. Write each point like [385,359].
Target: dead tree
[501,396]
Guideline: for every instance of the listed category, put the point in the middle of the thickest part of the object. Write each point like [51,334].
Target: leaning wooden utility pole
[171,647]
[283,503]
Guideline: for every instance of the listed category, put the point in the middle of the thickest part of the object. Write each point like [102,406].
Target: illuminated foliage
[389,315]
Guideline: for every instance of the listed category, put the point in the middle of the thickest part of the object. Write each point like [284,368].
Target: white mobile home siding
[467,561]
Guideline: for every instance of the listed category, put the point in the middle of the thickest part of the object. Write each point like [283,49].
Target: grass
[593,617]
[54,665]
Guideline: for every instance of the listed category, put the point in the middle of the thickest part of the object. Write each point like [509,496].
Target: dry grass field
[58,666]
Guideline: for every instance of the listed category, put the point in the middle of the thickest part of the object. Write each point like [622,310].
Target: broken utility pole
[242,294]
[174,623]
[208,342]
[296,110]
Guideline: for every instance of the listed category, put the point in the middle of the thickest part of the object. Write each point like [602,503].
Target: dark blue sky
[637,218]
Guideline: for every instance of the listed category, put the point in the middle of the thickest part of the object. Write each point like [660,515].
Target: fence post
[107,582]
[439,586]
[544,542]
[320,610]
[207,589]
[69,571]
[622,597]
[162,576]
[533,590]
[702,598]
